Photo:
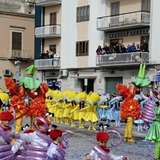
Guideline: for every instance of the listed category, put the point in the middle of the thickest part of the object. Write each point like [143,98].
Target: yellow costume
[59,110]
[69,95]
[81,99]
[92,115]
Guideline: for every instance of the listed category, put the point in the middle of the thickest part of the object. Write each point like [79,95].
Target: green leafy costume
[29,81]
[154,131]
[140,79]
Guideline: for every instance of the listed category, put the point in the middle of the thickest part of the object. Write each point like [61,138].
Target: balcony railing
[122,58]
[132,20]
[48,2]
[47,63]
[48,31]
[20,54]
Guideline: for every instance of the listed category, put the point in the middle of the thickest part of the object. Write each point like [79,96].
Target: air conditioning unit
[63,73]
[7,72]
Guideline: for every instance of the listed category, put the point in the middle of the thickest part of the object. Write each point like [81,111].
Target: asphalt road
[83,141]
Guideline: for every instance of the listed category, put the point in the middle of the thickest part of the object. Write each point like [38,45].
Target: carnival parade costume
[154,132]
[36,94]
[92,115]
[81,99]
[101,152]
[69,96]
[148,114]
[129,110]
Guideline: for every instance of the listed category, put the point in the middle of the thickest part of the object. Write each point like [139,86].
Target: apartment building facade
[17,39]
[74,28]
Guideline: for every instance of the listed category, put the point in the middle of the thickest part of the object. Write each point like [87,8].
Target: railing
[131,18]
[23,54]
[122,58]
[52,30]
[47,63]
[42,1]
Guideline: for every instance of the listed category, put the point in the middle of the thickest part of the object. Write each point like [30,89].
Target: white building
[75,28]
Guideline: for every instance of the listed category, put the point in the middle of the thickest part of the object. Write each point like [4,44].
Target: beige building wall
[16,22]
[53,41]
[20,23]
[82,35]
[127,6]
[5,64]
[51,9]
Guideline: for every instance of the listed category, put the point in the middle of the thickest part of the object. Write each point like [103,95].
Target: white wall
[69,34]
[154,29]
[97,9]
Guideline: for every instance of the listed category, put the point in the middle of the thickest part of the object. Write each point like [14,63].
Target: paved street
[84,140]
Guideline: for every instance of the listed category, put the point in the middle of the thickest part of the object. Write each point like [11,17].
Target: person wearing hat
[101,152]
[56,149]
[39,137]
[5,129]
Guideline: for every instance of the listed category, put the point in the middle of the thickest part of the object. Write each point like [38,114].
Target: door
[111,84]
[89,87]
[114,42]
[53,21]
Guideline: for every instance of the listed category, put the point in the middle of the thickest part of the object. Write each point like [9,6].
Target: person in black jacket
[145,46]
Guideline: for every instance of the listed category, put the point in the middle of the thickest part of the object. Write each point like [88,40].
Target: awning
[85,77]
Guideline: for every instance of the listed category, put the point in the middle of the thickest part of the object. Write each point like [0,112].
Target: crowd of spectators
[120,48]
[47,54]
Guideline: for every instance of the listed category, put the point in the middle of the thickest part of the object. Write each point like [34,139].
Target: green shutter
[111,84]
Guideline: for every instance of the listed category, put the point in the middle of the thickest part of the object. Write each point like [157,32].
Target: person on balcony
[132,48]
[43,55]
[145,46]
[123,49]
[106,49]
[99,50]
[50,54]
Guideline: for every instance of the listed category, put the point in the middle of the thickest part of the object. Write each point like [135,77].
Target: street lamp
[18,70]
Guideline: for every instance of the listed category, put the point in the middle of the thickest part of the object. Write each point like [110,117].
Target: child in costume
[6,149]
[39,140]
[148,114]
[101,152]
[56,149]
[81,98]
[154,132]
[91,113]
[70,96]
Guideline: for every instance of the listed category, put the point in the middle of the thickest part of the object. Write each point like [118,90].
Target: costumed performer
[129,110]
[6,149]
[81,99]
[59,98]
[154,132]
[91,114]
[148,114]
[56,149]
[39,140]
[68,106]
[101,152]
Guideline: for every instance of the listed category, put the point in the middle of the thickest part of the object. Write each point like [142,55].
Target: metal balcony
[47,63]
[19,54]
[48,31]
[124,21]
[122,59]
[48,2]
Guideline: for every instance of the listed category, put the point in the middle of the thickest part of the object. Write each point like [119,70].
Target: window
[53,18]
[53,48]
[83,13]
[114,8]
[82,48]
[16,41]
[114,11]
[146,5]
